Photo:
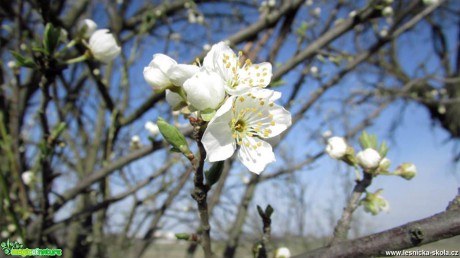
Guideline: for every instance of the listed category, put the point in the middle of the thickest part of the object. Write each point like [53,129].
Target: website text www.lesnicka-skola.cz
[422,253]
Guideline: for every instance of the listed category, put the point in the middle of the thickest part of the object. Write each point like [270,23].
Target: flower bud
[336,147]
[135,142]
[27,177]
[156,73]
[87,27]
[368,159]
[374,203]
[103,46]
[387,11]
[384,164]
[282,252]
[205,90]
[406,171]
[152,128]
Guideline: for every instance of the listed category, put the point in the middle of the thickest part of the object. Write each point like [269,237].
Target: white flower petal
[255,154]
[178,74]
[213,54]
[256,75]
[155,73]
[174,99]
[205,90]
[218,141]
[88,26]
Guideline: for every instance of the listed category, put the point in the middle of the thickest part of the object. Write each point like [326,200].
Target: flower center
[240,126]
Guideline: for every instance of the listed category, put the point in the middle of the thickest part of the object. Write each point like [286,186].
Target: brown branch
[343,225]
[439,226]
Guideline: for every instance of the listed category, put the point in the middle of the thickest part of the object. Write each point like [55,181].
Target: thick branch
[440,226]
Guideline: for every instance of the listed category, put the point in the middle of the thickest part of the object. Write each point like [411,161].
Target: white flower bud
[11,64]
[4,234]
[103,46]
[206,47]
[336,147]
[383,33]
[205,90]
[152,128]
[368,159]
[314,70]
[282,252]
[200,19]
[135,142]
[316,12]
[11,228]
[387,11]
[87,27]
[407,171]
[156,73]
[352,14]
[384,163]
[27,177]
[327,134]
[271,3]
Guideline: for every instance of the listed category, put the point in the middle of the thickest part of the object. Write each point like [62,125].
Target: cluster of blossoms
[101,43]
[230,94]
[372,160]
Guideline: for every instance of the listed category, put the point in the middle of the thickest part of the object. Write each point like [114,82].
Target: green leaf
[214,173]
[23,61]
[277,83]
[383,150]
[51,38]
[208,114]
[174,137]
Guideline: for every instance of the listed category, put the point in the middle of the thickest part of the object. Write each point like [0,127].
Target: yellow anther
[241,98]
[272,123]
[262,103]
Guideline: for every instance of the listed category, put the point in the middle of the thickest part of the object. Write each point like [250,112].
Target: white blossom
[336,147]
[205,90]
[152,128]
[103,46]
[27,177]
[135,142]
[282,252]
[368,159]
[243,123]
[87,27]
[387,11]
[156,72]
[316,12]
[239,78]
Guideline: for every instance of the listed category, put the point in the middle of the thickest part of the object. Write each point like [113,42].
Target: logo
[17,249]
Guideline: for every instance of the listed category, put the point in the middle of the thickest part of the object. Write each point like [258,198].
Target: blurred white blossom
[103,46]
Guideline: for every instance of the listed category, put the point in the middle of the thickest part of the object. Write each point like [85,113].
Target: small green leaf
[23,61]
[277,83]
[208,114]
[383,150]
[214,173]
[174,137]
[51,38]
